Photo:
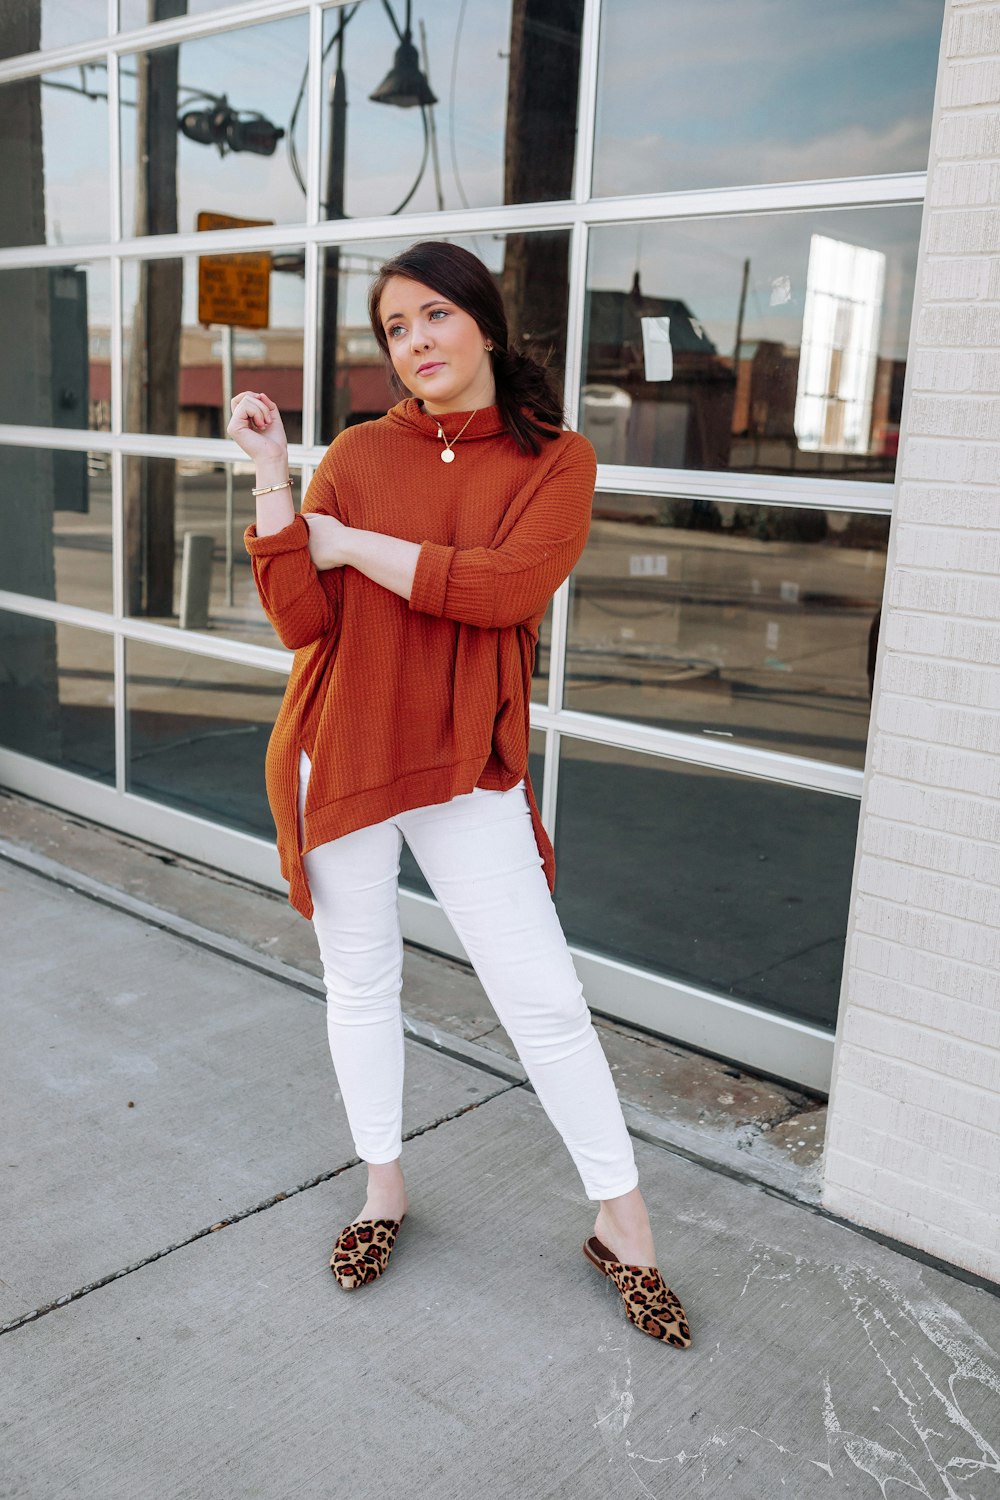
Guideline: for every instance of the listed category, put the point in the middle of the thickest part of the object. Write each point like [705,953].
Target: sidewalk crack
[239,1216]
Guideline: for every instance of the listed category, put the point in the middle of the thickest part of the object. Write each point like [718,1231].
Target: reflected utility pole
[152,393]
[542,86]
[334,209]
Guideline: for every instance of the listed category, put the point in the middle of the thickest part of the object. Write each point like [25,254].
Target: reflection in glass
[135,13]
[54,140]
[756,91]
[176,369]
[531,270]
[197,733]
[747,622]
[57,695]
[736,885]
[177,518]
[29,25]
[208,124]
[54,351]
[503,79]
[768,344]
[411,877]
[543,658]
[55,515]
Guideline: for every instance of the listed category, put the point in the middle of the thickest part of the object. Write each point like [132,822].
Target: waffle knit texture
[406,703]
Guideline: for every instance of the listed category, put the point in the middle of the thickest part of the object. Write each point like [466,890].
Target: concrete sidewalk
[178,1162]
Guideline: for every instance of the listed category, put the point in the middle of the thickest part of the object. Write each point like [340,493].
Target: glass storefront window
[54,140]
[502,130]
[175,368]
[31,25]
[531,270]
[54,369]
[752,91]
[57,695]
[753,623]
[736,885]
[767,344]
[179,570]
[197,733]
[55,510]
[203,117]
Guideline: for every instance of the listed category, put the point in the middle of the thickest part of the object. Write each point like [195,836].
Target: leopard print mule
[649,1302]
[361,1251]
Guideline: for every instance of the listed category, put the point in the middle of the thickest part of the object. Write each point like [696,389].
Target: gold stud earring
[488,348]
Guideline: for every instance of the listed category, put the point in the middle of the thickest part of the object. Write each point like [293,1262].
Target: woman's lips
[429,368]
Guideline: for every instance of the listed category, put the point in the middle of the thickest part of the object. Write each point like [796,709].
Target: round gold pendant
[447,457]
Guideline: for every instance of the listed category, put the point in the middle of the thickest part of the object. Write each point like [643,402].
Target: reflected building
[682,423]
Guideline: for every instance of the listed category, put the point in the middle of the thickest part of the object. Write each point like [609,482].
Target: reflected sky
[756,91]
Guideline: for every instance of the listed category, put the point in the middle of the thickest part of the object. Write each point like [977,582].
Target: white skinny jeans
[480,858]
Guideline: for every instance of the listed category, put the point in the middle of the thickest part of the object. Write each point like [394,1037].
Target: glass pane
[531,270]
[411,877]
[736,885]
[57,695]
[749,622]
[179,569]
[220,123]
[768,344]
[55,512]
[503,129]
[197,733]
[543,657]
[53,359]
[54,139]
[27,25]
[754,91]
[175,384]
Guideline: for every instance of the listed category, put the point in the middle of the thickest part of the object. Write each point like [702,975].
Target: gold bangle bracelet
[269,487]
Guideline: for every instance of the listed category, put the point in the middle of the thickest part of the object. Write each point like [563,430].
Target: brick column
[913,1141]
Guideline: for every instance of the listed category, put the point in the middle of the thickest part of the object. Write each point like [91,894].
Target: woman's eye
[396,328]
[439,312]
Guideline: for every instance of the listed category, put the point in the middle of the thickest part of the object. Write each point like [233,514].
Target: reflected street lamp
[405,84]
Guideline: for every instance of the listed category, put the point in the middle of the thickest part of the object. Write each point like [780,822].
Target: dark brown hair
[529,406]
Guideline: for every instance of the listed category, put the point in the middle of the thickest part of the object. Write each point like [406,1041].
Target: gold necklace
[448,456]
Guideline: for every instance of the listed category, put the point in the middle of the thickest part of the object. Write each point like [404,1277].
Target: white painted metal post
[227,396]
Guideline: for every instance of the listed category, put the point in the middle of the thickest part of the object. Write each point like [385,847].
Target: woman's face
[437,349]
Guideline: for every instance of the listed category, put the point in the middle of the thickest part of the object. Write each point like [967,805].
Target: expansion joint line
[238,1217]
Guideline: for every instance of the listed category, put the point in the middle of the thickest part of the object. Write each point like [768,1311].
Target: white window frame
[764,1040]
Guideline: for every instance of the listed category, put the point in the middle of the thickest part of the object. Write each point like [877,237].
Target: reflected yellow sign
[234,289]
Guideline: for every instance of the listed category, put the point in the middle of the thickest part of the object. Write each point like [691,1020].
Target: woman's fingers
[249,408]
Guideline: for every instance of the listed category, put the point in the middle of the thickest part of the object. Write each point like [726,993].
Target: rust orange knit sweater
[400,704]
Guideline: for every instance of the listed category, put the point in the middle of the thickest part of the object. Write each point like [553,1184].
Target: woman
[411,589]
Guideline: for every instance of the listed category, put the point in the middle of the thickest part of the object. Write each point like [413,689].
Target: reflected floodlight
[405,84]
[221,126]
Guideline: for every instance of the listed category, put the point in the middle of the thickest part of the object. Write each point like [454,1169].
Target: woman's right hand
[257,427]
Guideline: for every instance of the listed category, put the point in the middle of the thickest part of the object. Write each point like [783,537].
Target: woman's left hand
[327,536]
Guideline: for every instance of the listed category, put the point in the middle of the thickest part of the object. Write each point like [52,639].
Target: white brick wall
[913,1141]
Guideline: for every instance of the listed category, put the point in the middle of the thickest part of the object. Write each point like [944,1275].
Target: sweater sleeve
[301,603]
[513,582]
